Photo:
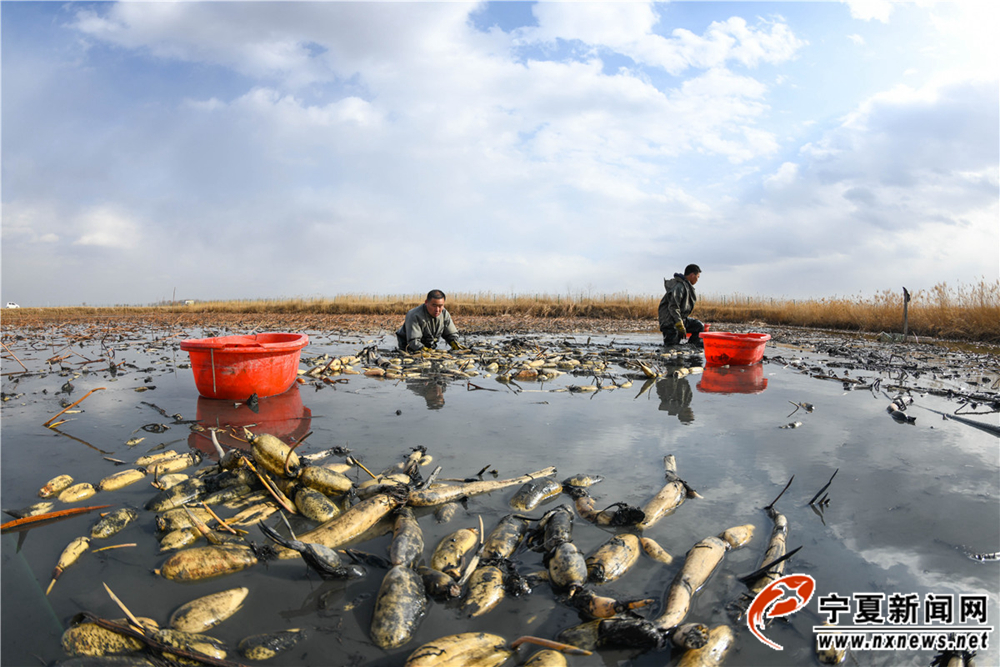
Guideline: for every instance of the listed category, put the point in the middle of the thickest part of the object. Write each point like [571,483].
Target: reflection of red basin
[733,379]
[283,416]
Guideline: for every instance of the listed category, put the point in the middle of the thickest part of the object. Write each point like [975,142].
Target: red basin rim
[267,342]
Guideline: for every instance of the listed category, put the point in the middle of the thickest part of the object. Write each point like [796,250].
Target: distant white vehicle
[11,304]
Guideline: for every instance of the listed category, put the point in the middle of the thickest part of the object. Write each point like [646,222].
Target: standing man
[427,323]
[676,305]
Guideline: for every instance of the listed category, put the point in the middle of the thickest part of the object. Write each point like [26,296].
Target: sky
[259,150]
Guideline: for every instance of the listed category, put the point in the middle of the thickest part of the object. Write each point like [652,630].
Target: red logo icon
[781,597]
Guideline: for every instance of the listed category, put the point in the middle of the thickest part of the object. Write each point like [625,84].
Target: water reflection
[284,416]
[431,390]
[733,379]
[675,398]
[891,525]
[80,440]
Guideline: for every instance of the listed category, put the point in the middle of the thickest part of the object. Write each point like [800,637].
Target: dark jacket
[421,330]
[677,303]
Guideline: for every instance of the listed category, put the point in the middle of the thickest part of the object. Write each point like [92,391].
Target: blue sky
[222,150]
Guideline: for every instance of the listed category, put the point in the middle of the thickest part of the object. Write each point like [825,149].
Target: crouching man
[676,306]
[426,324]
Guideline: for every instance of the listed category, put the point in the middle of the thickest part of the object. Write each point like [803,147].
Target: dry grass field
[963,313]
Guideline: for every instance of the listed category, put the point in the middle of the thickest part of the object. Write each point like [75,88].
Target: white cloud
[428,66]
[690,202]
[856,39]
[615,25]
[315,42]
[911,175]
[107,227]
[26,224]
[868,10]
[972,27]
[286,112]
[348,126]
[785,176]
[628,28]
[756,45]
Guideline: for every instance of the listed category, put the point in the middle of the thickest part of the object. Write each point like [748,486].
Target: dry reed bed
[963,313]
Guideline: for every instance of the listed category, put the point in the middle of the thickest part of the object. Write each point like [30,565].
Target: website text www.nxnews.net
[913,639]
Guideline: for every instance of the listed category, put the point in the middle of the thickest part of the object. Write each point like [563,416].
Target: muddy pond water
[909,503]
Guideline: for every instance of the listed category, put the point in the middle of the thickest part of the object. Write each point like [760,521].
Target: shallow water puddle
[908,502]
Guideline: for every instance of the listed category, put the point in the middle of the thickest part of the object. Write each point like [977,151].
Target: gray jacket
[421,330]
[677,303]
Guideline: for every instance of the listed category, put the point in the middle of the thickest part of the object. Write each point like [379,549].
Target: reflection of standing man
[426,324]
[676,305]
[675,398]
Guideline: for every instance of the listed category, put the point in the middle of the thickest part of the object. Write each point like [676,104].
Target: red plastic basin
[234,367]
[732,349]
[733,380]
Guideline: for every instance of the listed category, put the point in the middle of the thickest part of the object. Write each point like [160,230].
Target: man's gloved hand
[455,345]
[680,329]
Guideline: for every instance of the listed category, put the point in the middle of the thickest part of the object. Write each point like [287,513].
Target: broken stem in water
[71,405]
[15,358]
[746,578]
[820,492]
[780,494]
[548,643]
[115,546]
[20,523]
[132,619]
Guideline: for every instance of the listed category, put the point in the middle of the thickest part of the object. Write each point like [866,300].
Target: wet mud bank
[626,457]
